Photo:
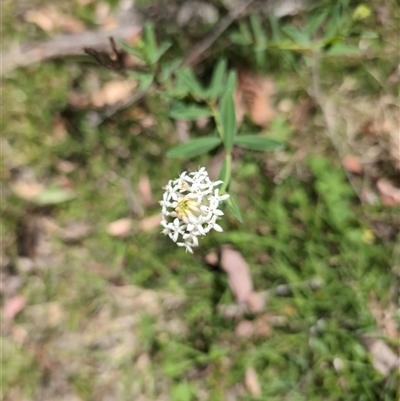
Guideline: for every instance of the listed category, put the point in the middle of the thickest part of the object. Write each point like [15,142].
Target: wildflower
[189,208]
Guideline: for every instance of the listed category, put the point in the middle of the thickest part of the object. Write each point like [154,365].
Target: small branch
[66,45]
[216,32]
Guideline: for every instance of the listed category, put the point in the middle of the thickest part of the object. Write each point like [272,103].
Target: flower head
[189,208]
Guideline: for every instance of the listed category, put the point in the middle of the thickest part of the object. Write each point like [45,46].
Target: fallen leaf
[255,94]
[245,329]
[113,92]
[75,231]
[145,190]
[120,228]
[255,302]
[390,195]
[212,258]
[352,164]
[150,223]
[384,359]
[14,306]
[239,279]
[262,326]
[252,383]
[27,190]
[64,166]
[49,19]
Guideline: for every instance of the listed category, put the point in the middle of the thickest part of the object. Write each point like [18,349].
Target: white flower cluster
[190,207]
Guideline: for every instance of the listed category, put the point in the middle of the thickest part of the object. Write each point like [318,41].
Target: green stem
[227,177]
[215,114]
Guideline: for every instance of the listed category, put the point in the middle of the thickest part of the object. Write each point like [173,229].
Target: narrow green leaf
[315,23]
[276,33]
[231,82]
[234,208]
[168,68]
[161,50]
[228,119]
[217,79]
[299,37]
[238,39]
[341,49]
[194,147]
[149,39]
[225,176]
[256,142]
[132,50]
[186,75]
[245,31]
[259,34]
[145,79]
[191,112]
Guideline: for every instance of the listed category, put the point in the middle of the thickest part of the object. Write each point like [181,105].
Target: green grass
[161,336]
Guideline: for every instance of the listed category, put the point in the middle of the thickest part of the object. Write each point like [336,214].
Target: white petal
[218,228]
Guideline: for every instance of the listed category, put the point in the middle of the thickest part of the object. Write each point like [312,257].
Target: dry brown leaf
[27,190]
[245,329]
[113,92]
[145,190]
[255,302]
[384,359]
[353,164]
[76,231]
[254,92]
[49,19]
[263,325]
[120,228]
[390,195]
[64,166]
[212,258]
[239,278]
[252,383]
[150,223]
[14,306]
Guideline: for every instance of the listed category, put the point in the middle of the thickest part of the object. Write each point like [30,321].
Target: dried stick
[211,37]
[65,45]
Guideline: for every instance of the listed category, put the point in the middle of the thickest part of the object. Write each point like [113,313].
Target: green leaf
[258,31]
[234,207]
[296,35]
[161,50]
[245,31]
[53,196]
[149,39]
[315,22]
[217,79]
[238,39]
[186,75]
[228,119]
[145,79]
[135,51]
[341,49]
[191,112]
[256,142]
[168,68]
[225,176]
[276,33]
[194,147]
[231,82]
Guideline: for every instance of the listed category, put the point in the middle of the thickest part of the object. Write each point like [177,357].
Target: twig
[212,36]
[66,45]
